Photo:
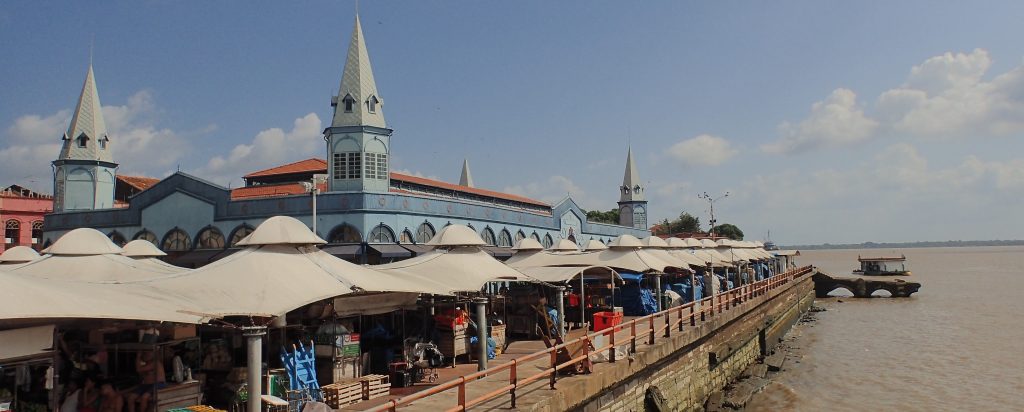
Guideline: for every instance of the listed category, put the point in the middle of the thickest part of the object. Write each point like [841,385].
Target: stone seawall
[694,364]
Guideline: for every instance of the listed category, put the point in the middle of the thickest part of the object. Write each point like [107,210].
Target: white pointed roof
[141,248]
[87,120]
[564,245]
[528,243]
[631,179]
[467,178]
[708,243]
[456,235]
[281,230]
[676,243]
[595,244]
[18,254]
[625,241]
[691,242]
[357,81]
[654,242]
[83,241]
[457,270]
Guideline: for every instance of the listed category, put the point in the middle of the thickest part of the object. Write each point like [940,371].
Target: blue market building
[367,212]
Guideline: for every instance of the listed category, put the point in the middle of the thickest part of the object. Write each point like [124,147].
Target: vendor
[110,399]
[151,372]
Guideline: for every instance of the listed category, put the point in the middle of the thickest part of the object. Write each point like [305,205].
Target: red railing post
[679,318]
[668,323]
[633,336]
[693,318]
[512,380]
[462,392]
[611,341]
[650,340]
[554,366]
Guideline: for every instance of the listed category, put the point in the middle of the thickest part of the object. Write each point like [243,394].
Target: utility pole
[711,203]
[313,187]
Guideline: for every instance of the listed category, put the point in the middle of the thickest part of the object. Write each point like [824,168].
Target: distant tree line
[873,245]
[610,217]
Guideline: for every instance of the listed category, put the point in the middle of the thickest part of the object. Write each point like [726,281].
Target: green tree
[729,230]
[611,216]
[686,223]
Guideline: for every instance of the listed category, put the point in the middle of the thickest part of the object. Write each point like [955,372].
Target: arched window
[405,237]
[37,233]
[349,103]
[520,236]
[177,241]
[345,233]
[371,104]
[12,232]
[424,233]
[103,143]
[535,236]
[488,236]
[83,140]
[117,238]
[504,238]
[240,233]
[639,217]
[548,241]
[382,234]
[147,236]
[210,238]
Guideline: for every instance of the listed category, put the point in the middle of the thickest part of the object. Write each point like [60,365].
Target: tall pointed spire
[466,179]
[358,103]
[632,189]
[86,138]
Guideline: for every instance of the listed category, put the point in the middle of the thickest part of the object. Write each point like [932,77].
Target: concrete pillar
[481,332]
[254,340]
[560,306]
[693,287]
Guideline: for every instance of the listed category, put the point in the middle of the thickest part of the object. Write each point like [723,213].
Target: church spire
[358,103]
[466,179]
[632,189]
[86,138]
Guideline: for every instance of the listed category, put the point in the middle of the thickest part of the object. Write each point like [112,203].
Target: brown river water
[957,344]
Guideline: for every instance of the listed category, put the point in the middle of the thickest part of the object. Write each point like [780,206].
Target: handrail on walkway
[709,306]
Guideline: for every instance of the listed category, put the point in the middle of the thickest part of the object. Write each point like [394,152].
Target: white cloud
[703,150]
[269,148]
[837,120]
[139,145]
[946,96]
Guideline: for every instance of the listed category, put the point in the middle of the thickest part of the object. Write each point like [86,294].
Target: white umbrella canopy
[141,248]
[458,269]
[654,242]
[18,254]
[564,245]
[629,259]
[625,241]
[562,274]
[106,268]
[83,241]
[456,235]
[28,297]
[595,244]
[528,244]
[271,276]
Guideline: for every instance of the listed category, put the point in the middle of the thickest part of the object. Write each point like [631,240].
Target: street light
[313,187]
[711,203]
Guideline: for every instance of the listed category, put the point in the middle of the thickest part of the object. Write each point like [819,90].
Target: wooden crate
[375,386]
[341,394]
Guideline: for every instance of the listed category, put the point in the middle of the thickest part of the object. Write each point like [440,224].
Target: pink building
[21,213]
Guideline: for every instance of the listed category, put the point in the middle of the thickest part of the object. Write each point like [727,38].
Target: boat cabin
[883,266]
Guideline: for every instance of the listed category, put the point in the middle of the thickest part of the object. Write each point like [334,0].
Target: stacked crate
[375,386]
[339,394]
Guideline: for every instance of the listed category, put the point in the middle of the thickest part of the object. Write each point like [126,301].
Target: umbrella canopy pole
[583,301]
[481,332]
[254,338]
[657,287]
[560,290]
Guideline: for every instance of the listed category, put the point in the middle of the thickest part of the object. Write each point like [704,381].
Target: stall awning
[560,274]
[418,249]
[391,251]
[374,304]
[20,344]
[344,251]
[498,252]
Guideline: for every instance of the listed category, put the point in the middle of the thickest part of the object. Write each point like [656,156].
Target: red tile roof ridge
[467,189]
[305,165]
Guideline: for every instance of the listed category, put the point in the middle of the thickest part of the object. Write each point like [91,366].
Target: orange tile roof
[138,182]
[302,166]
[465,189]
[283,189]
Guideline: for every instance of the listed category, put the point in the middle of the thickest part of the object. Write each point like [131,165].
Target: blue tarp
[631,277]
[635,301]
[683,289]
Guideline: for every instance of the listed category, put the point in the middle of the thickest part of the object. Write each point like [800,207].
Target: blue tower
[632,203]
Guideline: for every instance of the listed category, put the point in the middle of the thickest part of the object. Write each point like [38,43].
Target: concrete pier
[864,286]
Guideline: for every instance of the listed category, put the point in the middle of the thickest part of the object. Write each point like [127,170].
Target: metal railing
[687,313]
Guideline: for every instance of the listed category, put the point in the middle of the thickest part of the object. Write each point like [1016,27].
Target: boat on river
[882,266]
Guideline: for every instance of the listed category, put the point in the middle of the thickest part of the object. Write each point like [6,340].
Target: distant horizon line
[907,245]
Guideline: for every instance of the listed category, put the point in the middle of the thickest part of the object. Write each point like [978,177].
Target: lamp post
[313,187]
[711,203]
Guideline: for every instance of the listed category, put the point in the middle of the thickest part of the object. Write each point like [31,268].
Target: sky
[824,121]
